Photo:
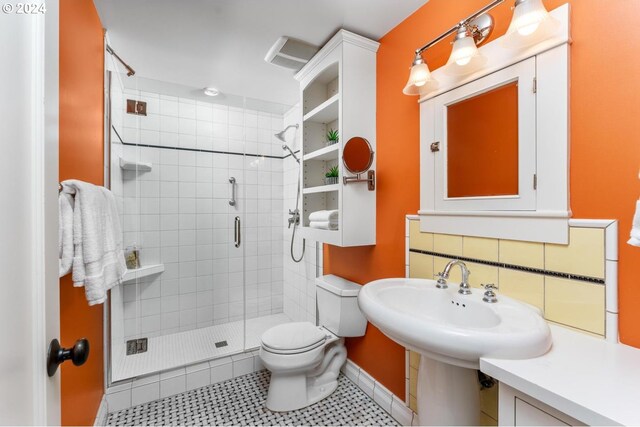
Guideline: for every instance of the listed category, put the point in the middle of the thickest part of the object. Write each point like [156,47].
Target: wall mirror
[487,135]
[357,157]
[483,130]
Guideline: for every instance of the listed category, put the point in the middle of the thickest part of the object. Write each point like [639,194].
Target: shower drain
[220,344]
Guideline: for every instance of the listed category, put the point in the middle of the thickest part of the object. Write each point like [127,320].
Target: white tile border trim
[380,394]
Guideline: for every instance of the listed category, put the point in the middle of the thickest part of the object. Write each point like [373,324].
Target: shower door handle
[232,201]
[236,228]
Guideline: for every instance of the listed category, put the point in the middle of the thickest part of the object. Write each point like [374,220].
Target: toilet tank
[338,306]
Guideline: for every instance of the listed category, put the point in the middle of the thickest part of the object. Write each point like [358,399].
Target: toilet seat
[293,338]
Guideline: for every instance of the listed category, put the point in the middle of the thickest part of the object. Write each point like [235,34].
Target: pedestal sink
[452,332]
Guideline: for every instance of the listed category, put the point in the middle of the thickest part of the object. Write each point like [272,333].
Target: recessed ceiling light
[211,91]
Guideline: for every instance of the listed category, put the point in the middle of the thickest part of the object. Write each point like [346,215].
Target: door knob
[78,354]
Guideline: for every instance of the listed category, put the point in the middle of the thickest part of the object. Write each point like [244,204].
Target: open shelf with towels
[141,272]
[338,93]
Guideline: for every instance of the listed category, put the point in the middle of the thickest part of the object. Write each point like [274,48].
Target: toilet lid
[293,337]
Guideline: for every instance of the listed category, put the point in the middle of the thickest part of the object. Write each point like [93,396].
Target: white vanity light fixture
[465,57]
[531,23]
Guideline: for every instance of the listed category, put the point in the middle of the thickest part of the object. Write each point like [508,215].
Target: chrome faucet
[464,285]
[295,217]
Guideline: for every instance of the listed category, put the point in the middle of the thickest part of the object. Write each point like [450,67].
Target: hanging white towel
[323,225]
[329,216]
[635,228]
[65,232]
[98,262]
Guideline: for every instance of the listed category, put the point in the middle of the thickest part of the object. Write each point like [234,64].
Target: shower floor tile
[185,348]
[240,401]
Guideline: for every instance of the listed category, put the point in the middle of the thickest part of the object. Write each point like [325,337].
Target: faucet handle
[489,294]
[442,281]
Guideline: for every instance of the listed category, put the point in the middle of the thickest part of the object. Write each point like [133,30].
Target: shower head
[280,135]
[286,147]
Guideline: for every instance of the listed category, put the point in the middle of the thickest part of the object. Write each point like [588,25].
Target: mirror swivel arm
[371,179]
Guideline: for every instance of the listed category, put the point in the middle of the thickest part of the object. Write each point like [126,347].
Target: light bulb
[463,50]
[465,57]
[419,74]
[530,24]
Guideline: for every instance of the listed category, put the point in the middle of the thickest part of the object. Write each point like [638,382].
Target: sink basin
[454,328]
[452,332]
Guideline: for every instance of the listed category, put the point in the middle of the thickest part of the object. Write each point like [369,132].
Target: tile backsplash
[566,282]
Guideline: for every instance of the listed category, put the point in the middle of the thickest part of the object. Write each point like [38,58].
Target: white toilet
[305,359]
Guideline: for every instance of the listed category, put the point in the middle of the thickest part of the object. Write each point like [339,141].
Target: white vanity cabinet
[338,92]
[519,409]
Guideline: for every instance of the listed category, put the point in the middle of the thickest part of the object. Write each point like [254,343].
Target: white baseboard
[380,394]
[101,415]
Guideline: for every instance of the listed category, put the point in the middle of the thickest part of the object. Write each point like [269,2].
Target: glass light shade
[418,77]
[465,57]
[463,50]
[531,23]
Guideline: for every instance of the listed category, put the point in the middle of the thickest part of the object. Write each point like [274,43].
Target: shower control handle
[232,201]
[236,228]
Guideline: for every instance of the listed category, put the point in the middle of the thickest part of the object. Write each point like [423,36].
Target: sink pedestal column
[447,394]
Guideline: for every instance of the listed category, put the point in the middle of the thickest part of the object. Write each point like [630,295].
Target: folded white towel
[635,228]
[323,225]
[65,232]
[98,262]
[331,216]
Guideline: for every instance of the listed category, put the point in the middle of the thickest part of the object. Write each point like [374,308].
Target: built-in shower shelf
[321,189]
[141,272]
[329,152]
[326,112]
[129,165]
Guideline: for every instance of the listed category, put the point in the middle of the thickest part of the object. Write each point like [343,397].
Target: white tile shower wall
[299,278]
[179,214]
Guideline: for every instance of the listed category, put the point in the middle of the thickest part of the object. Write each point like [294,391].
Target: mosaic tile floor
[240,401]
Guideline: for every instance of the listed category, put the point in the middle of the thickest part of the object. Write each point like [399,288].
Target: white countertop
[587,378]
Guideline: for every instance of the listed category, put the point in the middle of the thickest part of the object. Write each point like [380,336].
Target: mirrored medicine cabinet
[494,147]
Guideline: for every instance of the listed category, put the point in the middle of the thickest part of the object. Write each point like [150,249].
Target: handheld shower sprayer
[286,147]
[295,214]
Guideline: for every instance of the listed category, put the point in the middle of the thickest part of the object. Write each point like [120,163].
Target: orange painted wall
[81,157]
[605,154]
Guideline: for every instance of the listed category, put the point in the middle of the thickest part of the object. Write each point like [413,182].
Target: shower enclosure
[201,185]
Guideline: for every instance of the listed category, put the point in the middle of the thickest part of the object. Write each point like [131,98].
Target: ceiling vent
[290,53]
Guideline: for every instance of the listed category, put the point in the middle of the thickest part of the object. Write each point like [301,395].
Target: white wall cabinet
[338,92]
